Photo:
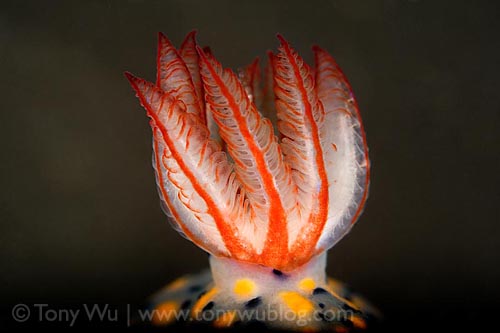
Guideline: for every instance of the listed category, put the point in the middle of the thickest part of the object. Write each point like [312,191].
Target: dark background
[80,217]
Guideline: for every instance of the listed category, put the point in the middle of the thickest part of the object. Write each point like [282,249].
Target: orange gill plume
[233,186]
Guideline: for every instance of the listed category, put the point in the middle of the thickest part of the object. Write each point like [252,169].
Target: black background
[80,217]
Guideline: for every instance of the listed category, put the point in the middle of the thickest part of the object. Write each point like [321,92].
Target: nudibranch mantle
[257,195]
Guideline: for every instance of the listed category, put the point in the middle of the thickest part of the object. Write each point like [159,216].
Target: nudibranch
[266,200]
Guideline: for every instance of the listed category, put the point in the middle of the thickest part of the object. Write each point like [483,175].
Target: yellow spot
[307,285]
[226,320]
[296,302]
[177,284]
[358,322]
[203,301]
[244,287]
[165,313]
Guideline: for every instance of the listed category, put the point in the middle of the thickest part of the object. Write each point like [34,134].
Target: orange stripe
[227,232]
[303,248]
[343,77]
[189,46]
[165,46]
[169,203]
[253,75]
[276,246]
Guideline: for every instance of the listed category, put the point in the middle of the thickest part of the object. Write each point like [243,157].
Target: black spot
[321,305]
[209,306]
[328,317]
[253,302]
[201,294]
[279,274]
[319,291]
[185,304]
[195,288]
